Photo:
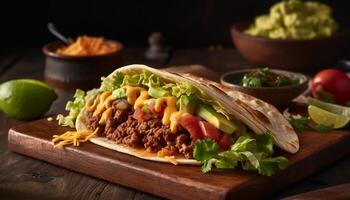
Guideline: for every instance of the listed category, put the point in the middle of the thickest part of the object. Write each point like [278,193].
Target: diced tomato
[225,141]
[141,116]
[209,131]
[153,110]
[190,123]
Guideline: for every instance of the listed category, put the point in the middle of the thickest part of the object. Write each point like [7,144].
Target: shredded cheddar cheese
[171,159]
[87,45]
[73,137]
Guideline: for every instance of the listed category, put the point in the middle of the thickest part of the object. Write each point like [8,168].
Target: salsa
[264,77]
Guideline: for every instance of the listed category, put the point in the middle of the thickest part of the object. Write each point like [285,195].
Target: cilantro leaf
[205,150]
[251,153]
[207,165]
[268,166]
[264,142]
[299,124]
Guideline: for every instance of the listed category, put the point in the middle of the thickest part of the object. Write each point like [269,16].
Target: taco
[179,118]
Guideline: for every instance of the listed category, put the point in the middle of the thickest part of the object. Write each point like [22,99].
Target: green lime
[324,117]
[333,108]
[26,98]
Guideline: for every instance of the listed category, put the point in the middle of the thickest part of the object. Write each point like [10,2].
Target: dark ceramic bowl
[277,96]
[84,72]
[289,54]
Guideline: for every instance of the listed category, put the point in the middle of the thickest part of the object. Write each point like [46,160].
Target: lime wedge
[326,118]
[333,108]
[26,98]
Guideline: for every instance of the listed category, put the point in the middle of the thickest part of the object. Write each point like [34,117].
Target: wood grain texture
[339,192]
[169,181]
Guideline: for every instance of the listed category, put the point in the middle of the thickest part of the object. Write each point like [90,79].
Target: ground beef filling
[150,134]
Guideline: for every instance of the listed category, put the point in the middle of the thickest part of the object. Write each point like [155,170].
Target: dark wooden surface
[182,182]
[22,177]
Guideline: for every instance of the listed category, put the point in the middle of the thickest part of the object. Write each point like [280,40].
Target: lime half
[324,117]
[26,98]
[333,108]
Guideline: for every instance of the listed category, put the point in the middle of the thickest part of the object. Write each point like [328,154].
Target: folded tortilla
[258,115]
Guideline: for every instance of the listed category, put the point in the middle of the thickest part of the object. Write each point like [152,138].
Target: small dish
[277,96]
[72,72]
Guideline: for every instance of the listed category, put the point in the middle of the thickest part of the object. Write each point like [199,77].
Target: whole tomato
[331,85]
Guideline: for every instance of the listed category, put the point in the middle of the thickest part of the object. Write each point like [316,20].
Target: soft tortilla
[109,144]
[255,113]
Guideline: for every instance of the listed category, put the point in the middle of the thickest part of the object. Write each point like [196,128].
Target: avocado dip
[295,19]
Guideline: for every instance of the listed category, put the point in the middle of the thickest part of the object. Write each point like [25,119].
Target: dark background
[191,23]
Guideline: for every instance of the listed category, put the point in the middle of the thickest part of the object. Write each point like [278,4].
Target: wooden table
[26,178]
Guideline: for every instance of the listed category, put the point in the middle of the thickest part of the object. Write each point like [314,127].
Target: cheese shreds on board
[171,159]
[73,137]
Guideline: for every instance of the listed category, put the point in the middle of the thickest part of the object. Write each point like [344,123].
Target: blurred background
[195,23]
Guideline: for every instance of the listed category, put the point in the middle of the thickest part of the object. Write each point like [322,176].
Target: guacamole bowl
[289,53]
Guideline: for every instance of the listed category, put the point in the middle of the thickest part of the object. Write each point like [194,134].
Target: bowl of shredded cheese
[81,63]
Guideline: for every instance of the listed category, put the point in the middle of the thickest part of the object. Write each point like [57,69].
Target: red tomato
[334,82]
[190,123]
[210,131]
[153,110]
[225,142]
[141,116]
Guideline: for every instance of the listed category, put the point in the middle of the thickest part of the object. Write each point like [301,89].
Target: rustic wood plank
[33,139]
[339,192]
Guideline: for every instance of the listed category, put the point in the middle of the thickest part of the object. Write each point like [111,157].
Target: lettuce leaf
[183,88]
[155,83]
[251,153]
[119,93]
[112,83]
[74,107]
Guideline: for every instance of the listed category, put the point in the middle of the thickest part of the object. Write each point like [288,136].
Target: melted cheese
[138,97]
[102,104]
[170,108]
[173,118]
[132,93]
[105,116]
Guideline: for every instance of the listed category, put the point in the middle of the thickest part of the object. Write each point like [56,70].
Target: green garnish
[248,152]
[264,77]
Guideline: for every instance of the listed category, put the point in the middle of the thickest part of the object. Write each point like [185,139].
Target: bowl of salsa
[278,87]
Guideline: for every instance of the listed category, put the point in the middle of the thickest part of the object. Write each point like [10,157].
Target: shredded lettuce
[112,83]
[74,107]
[251,153]
[119,93]
[183,88]
[157,88]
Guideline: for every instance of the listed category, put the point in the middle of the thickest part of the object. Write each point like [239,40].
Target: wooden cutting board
[176,182]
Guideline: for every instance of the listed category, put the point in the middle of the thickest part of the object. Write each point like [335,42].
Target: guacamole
[295,19]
